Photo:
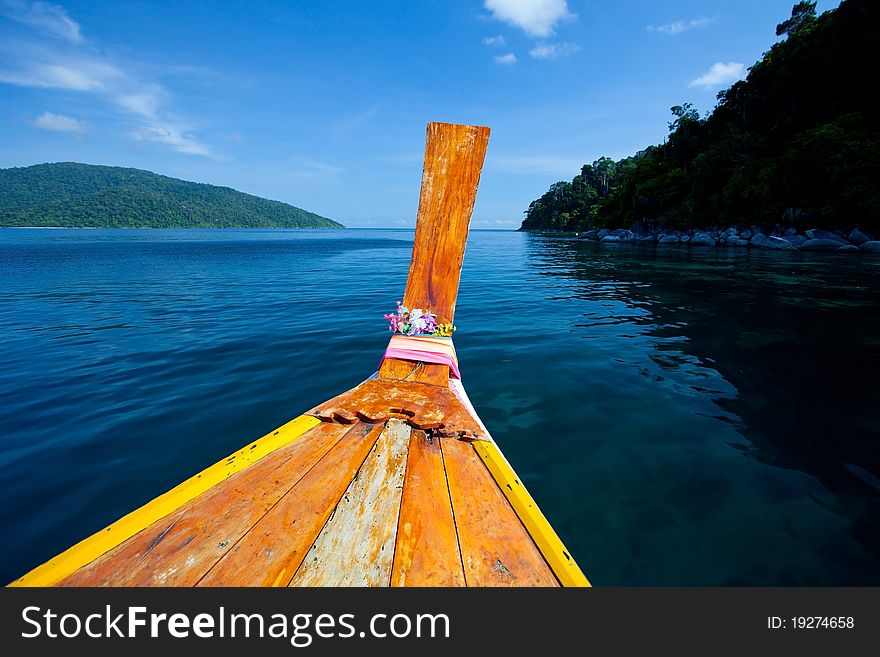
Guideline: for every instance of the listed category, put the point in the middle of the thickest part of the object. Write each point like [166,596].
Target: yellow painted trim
[554,552]
[101,542]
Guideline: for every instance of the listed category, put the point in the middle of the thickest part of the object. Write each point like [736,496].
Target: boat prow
[396,482]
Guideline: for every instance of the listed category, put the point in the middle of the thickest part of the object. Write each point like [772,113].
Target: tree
[802,15]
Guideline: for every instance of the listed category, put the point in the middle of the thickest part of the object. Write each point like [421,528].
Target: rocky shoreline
[778,239]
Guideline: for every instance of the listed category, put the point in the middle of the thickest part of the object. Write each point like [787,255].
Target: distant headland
[72,195]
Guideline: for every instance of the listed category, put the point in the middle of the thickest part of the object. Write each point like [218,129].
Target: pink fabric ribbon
[423,349]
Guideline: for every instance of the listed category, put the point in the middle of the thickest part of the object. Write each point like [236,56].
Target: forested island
[68,194]
[793,147]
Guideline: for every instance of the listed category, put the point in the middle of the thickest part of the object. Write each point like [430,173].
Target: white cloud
[538,164]
[553,50]
[537,18]
[720,74]
[75,75]
[59,123]
[145,102]
[78,66]
[505,60]
[174,136]
[495,41]
[43,16]
[678,27]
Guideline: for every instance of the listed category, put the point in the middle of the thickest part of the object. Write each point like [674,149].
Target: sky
[324,104]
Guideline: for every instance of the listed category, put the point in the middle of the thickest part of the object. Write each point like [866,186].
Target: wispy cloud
[720,74]
[62,73]
[505,60]
[538,164]
[553,50]
[60,123]
[537,18]
[307,169]
[76,65]
[175,137]
[495,41]
[677,27]
[43,16]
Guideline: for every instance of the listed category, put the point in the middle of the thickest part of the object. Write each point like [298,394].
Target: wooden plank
[356,546]
[548,542]
[108,538]
[181,548]
[270,553]
[426,552]
[496,549]
[454,157]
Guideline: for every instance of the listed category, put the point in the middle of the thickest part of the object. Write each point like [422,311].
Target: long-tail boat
[395,482]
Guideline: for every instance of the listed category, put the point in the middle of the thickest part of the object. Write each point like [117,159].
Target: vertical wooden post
[454,157]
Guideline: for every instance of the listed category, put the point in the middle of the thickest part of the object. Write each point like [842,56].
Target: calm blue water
[682,416]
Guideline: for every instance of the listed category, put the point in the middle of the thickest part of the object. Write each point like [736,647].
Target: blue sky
[324,104]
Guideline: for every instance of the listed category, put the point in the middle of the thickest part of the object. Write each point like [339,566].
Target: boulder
[619,235]
[702,239]
[737,241]
[685,239]
[769,242]
[589,235]
[745,233]
[858,237]
[790,231]
[848,247]
[797,240]
[779,244]
[602,233]
[668,239]
[730,232]
[818,234]
[870,246]
[821,244]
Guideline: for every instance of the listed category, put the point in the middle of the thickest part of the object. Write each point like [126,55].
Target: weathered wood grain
[179,549]
[496,550]
[454,157]
[422,406]
[426,553]
[356,546]
[270,553]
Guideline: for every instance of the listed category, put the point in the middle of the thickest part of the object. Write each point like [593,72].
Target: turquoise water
[683,416]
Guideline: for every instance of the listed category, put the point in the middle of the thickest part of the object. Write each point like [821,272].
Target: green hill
[85,195]
[797,142]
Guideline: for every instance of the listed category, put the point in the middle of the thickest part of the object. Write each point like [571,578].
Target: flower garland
[417,322]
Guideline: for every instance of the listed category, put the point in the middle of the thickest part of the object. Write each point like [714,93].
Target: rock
[589,235]
[730,232]
[745,233]
[714,234]
[668,239]
[858,237]
[797,240]
[702,239]
[602,233]
[779,244]
[737,241]
[790,232]
[817,234]
[870,246]
[619,235]
[685,239]
[848,247]
[821,244]
[645,238]
[775,243]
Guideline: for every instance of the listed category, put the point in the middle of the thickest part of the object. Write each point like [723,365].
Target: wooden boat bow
[395,482]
